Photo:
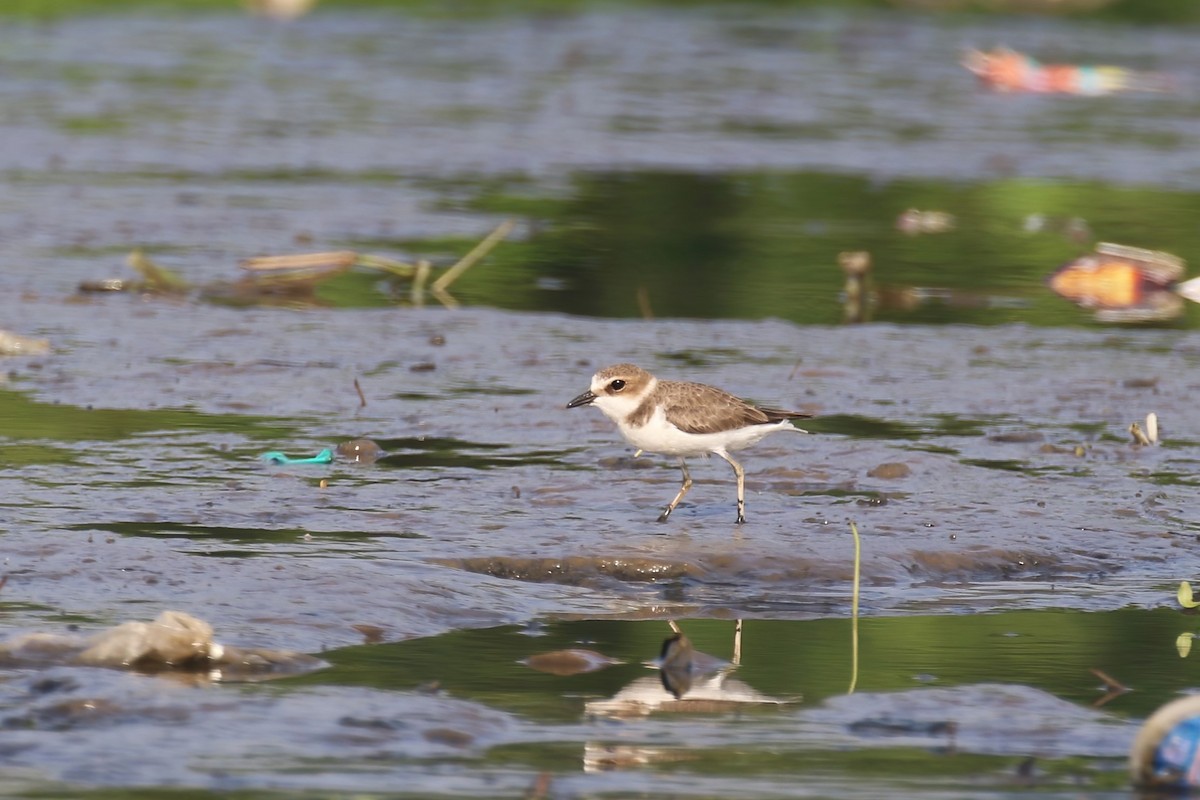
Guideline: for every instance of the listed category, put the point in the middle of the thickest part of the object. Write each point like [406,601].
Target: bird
[683,419]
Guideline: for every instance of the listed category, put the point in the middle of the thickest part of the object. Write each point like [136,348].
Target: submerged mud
[511,485]
[137,483]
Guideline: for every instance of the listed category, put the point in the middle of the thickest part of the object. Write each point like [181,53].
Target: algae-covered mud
[471,598]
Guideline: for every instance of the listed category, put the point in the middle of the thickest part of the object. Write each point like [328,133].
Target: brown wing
[697,408]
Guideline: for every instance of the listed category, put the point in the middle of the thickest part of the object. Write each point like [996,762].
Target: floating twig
[157,278]
[1110,683]
[1115,687]
[479,251]
[343,259]
[420,276]
[400,269]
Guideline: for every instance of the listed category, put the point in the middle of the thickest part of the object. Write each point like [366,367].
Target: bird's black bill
[583,400]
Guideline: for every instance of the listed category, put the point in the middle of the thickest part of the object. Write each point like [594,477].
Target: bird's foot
[663,516]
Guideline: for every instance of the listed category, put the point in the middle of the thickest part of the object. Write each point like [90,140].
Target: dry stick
[480,250]
[643,301]
[362,399]
[1115,687]
[156,277]
[1111,683]
[737,643]
[397,268]
[418,283]
[340,258]
[854,612]
[444,297]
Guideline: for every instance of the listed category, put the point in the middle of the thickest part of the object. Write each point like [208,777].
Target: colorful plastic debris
[1122,284]
[1166,751]
[1006,70]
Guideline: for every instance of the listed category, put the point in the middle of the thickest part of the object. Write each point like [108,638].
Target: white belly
[660,436]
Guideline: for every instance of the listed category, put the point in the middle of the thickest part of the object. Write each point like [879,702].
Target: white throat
[618,407]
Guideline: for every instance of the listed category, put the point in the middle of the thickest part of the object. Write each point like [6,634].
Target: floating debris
[361,451]
[573,661]
[890,470]
[1183,643]
[372,634]
[12,344]
[914,221]
[1146,437]
[280,9]
[1113,688]
[294,279]
[862,297]
[276,457]
[153,278]
[1074,229]
[1123,284]
[292,274]
[1007,70]
[857,294]
[173,642]
[1185,597]
[689,682]
[1166,751]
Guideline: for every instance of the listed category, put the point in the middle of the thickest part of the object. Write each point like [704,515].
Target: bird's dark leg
[741,481]
[687,484]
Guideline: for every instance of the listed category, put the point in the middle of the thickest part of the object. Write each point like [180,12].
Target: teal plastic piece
[275,457]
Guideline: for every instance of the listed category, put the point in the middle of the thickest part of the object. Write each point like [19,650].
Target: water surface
[683,182]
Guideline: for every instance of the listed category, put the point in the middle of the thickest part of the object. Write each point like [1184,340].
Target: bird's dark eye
[617,385]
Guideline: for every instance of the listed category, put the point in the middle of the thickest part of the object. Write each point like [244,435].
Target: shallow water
[683,182]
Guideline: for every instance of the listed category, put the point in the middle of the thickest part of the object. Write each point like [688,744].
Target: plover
[679,418]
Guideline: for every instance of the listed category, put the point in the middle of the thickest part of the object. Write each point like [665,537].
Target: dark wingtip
[779,414]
